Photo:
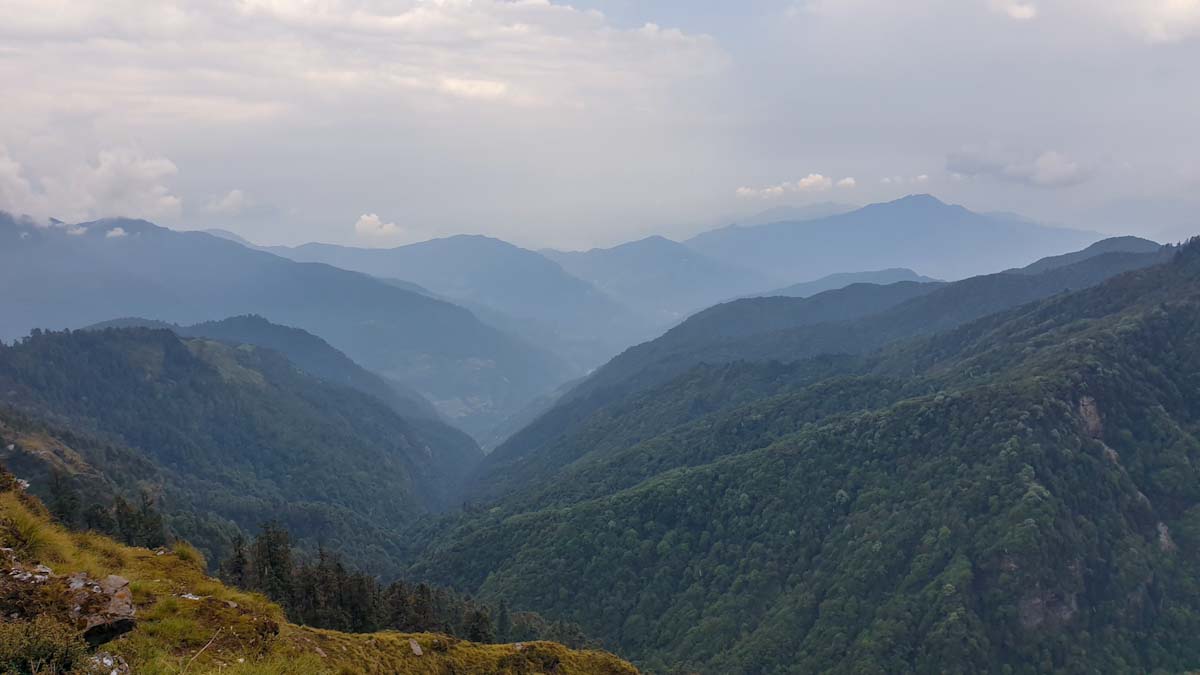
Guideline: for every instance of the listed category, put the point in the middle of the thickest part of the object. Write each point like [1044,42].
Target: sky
[581,123]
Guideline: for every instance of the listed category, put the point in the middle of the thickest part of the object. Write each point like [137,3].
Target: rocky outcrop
[1090,413]
[1042,609]
[102,609]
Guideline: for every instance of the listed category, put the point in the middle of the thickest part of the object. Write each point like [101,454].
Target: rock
[103,663]
[1165,543]
[1041,609]
[1090,413]
[415,646]
[104,609]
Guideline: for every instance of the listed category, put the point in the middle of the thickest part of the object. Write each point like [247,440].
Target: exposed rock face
[1090,412]
[1046,609]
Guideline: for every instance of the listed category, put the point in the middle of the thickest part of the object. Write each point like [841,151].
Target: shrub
[43,646]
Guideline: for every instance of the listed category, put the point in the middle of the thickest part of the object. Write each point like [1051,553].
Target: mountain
[658,277]
[844,279]
[918,232]
[150,611]
[1110,245]
[779,214]
[307,351]
[857,319]
[482,271]
[236,435]
[71,276]
[231,236]
[1017,494]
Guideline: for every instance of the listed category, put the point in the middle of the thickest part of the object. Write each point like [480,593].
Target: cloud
[120,182]
[1050,169]
[232,203]
[1018,10]
[478,89]
[848,182]
[116,233]
[813,182]
[371,225]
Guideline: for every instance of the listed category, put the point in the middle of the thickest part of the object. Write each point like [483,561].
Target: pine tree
[479,626]
[236,569]
[64,498]
[503,623]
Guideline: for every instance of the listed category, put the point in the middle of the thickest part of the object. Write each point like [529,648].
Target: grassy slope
[234,632]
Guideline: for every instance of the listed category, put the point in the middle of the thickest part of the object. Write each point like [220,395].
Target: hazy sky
[585,123]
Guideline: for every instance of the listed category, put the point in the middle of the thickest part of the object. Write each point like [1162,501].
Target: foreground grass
[188,622]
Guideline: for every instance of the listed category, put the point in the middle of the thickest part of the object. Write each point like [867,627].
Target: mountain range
[1014,492]
[914,232]
[853,320]
[70,276]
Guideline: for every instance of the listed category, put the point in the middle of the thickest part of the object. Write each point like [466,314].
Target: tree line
[324,592]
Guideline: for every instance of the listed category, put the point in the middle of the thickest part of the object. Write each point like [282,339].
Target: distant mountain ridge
[70,276]
[521,284]
[844,279]
[659,278]
[918,232]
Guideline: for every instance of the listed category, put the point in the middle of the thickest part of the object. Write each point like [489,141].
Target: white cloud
[1050,169]
[76,230]
[813,182]
[1018,10]
[120,182]
[480,89]
[1157,20]
[231,203]
[116,233]
[921,179]
[371,225]
[848,183]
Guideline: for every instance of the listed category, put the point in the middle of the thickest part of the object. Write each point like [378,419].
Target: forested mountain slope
[1019,494]
[307,351]
[70,276]
[237,435]
[854,320]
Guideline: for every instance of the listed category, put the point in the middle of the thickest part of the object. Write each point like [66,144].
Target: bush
[43,646]
[190,554]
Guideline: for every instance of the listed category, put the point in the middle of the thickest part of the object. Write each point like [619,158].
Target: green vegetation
[326,593]
[855,320]
[188,622]
[218,438]
[1019,494]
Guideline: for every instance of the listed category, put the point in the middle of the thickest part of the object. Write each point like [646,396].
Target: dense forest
[325,592]
[858,319]
[226,437]
[1015,495]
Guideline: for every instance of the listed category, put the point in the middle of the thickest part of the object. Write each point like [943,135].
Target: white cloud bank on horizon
[813,182]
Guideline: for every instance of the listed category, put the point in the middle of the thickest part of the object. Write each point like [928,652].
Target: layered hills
[1014,493]
[70,276]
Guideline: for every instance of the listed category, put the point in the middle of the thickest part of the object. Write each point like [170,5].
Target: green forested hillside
[236,436]
[854,320]
[1016,495]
